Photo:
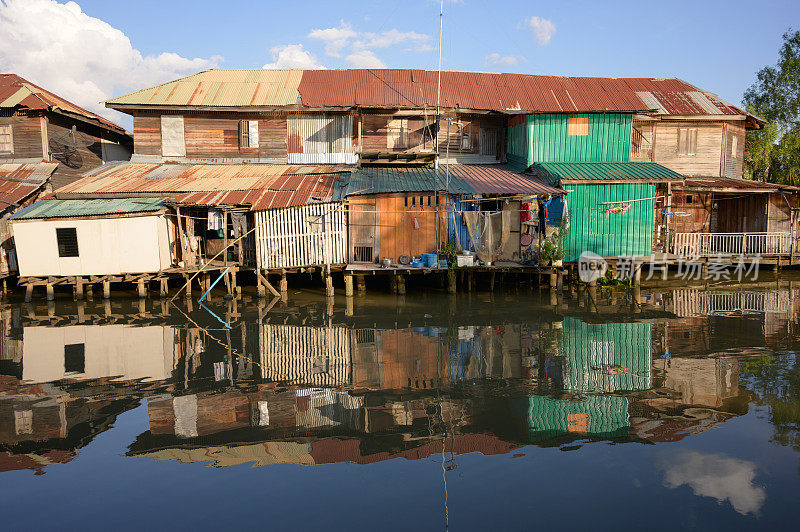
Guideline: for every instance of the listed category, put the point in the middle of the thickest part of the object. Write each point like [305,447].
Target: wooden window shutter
[683,147]
[6,139]
[172,136]
[692,141]
[244,134]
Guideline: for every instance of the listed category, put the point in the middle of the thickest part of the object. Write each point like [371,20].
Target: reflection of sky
[715,475]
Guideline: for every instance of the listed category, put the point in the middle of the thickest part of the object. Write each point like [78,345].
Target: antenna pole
[438,124]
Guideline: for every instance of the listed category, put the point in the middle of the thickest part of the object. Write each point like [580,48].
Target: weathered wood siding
[301,236]
[27,135]
[692,212]
[707,158]
[739,213]
[406,223]
[214,135]
[87,158]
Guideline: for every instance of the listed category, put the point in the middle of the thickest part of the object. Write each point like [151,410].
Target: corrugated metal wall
[455,221]
[606,358]
[301,236]
[320,139]
[609,138]
[518,148]
[591,229]
[604,415]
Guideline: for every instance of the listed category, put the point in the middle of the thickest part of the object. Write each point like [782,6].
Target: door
[363,224]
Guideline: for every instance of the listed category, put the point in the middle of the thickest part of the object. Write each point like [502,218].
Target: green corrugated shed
[545,138]
[606,357]
[602,416]
[592,229]
[69,208]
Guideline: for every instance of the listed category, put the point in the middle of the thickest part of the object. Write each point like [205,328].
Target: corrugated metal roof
[558,172]
[256,185]
[16,91]
[407,88]
[55,208]
[19,181]
[724,182]
[458,179]
[223,88]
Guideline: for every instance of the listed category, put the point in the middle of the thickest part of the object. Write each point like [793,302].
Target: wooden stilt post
[237,290]
[107,308]
[141,289]
[90,291]
[328,282]
[553,280]
[491,281]
[361,285]
[81,311]
[229,283]
[284,285]
[142,308]
[164,287]
[79,288]
[348,285]
[348,309]
[28,293]
[262,289]
[106,289]
[50,294]
[393,283]
[451,281]
[401,285]
[51,309]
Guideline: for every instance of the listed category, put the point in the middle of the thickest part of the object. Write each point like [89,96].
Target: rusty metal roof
[745,185]
[18,92]
[20,181]
[506,92]
[261,186]
[55,208]
[221,88]
[457,179]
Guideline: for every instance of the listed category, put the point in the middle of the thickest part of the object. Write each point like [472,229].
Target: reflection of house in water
[705,326]
[97,351]
[317,356]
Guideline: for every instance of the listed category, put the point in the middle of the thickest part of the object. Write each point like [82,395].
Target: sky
[91,50]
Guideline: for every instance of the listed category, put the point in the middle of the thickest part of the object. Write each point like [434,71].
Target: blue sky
[716,45]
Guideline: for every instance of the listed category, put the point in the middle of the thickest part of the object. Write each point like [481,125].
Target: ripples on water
[503,411]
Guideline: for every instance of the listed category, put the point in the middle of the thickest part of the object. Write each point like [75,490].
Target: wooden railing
[703,244]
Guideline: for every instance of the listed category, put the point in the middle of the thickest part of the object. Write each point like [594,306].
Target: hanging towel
[239,222]
[215,220]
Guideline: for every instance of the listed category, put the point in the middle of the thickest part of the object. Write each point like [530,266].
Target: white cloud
[364,59]
[292,56]
[81,58]
[543,29]
[391,38]
[503,60]
[715,475]
[335,38]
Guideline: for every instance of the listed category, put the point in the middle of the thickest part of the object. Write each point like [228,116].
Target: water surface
[511,410]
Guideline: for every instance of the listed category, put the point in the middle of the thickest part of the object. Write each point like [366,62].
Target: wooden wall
[214,135]
[27,134]
[738,213]
[692,212]
[397,233]
[707,160]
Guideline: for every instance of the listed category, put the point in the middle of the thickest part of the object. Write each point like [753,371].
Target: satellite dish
[64,147]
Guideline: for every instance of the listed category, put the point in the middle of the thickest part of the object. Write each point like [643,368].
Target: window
[6,140]
[689,199]
[75,358]
[397,133]
[578,127]
[172,136]
[687,141]
[248,133]
[67,239]
[732,146]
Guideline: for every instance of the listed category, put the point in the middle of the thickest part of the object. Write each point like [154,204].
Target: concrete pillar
[348,285]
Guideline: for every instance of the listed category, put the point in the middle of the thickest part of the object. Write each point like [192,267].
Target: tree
[774,151]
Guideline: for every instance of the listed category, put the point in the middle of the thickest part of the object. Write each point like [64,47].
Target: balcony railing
[704,244]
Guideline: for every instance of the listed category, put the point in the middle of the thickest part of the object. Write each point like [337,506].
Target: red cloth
[524,213]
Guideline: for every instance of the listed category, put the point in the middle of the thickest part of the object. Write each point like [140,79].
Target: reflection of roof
[55,208]
[740,185]
[457,178]
[19,181]
[16,91]
[609,172]
[261,186]
[407,88]
[223,88]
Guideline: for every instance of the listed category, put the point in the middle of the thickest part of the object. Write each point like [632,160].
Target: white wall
[106,246]
[122,351]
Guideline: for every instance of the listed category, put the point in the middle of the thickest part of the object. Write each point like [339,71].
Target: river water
[513,410]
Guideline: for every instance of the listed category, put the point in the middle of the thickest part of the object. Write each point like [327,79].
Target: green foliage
[773,153]
[553,247]
[450,252]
